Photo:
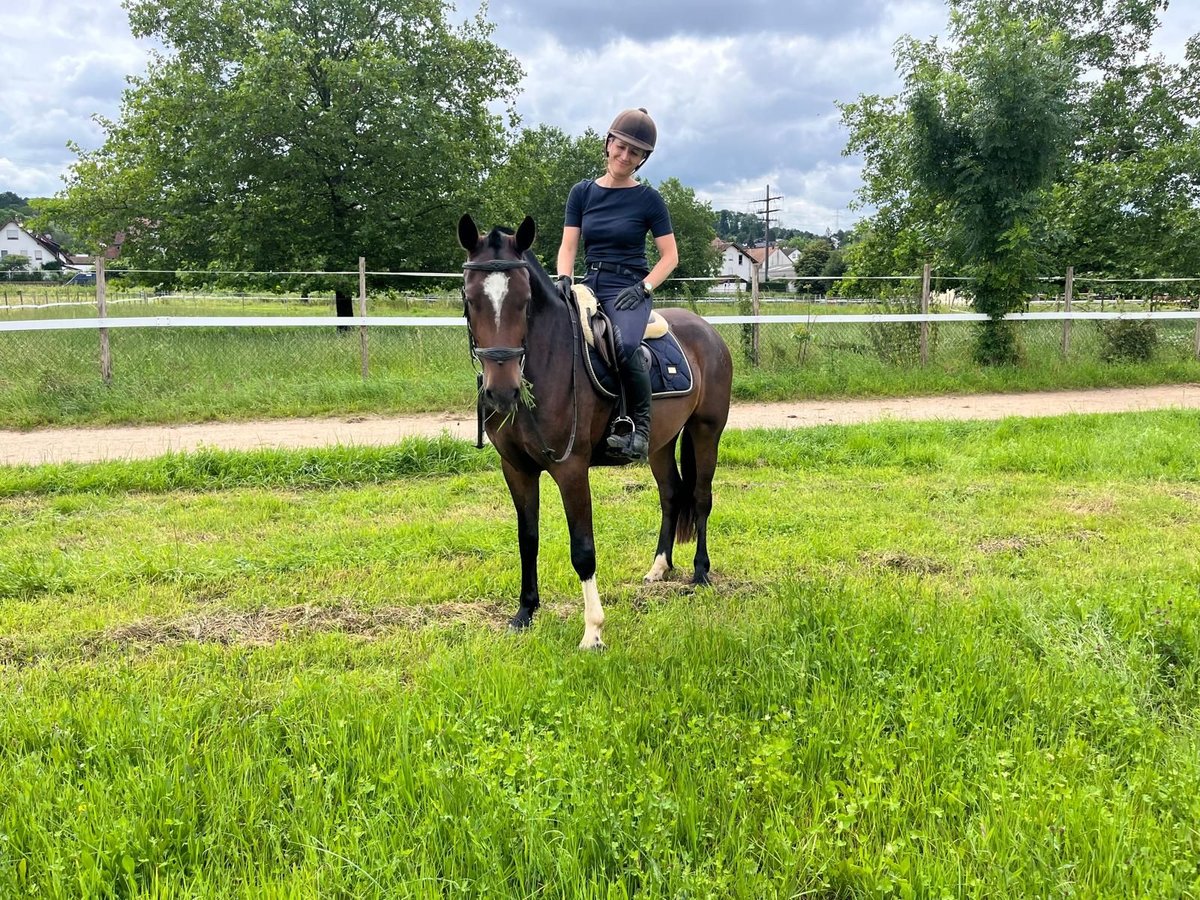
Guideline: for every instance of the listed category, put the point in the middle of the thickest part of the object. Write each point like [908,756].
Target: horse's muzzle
[503,368]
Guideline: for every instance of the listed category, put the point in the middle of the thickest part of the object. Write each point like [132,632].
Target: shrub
[1127,340]
[899,343]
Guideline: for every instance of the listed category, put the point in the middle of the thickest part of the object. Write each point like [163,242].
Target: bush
[899,343]
[1131,340]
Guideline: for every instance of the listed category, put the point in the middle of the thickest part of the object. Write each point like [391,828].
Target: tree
[814,257]
[694,234]
[283,136]
[540,168]
[1130,203]
[13,263]
[1124,196]
[990,126]
[13,207]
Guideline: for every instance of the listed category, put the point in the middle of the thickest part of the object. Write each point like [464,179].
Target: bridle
[495,354]
[503,354]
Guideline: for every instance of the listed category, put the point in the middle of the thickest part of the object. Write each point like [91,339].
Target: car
[82,278]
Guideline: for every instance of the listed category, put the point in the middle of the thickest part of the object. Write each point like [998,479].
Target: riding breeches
[630,324]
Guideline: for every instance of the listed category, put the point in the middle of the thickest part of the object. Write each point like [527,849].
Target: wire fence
[198,353]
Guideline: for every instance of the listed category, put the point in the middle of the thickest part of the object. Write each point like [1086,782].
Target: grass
[939,659]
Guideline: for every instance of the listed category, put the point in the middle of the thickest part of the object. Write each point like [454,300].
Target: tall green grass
[938,660]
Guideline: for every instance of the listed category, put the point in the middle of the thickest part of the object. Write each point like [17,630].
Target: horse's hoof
[700,579]
[597,645]
[521,621]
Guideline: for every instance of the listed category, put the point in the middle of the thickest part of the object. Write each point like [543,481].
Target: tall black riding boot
[635,381]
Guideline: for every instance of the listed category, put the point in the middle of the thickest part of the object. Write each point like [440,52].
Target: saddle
[670,372]
[598,332]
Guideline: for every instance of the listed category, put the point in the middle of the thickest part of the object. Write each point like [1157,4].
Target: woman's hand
[564,284]
[632,297]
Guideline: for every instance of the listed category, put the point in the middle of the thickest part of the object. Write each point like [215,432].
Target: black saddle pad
[670,374]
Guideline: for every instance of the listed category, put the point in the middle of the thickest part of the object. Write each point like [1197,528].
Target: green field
[938,660]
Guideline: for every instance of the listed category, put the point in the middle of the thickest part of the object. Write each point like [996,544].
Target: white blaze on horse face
[495,286]
[593,616]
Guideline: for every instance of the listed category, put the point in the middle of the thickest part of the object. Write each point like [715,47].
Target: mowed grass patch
[937,660]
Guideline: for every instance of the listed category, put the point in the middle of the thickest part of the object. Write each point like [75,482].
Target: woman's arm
[567,250]
[668,259]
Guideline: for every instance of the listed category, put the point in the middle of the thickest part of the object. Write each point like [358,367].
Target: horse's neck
[550,337]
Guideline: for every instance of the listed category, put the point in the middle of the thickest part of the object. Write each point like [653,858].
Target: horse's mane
[539,278]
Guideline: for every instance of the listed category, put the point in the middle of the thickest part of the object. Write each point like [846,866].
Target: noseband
[495,354]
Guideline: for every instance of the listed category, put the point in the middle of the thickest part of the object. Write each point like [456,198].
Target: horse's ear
[468,233]
[526,232]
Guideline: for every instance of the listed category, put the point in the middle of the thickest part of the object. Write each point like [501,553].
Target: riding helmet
[636,128]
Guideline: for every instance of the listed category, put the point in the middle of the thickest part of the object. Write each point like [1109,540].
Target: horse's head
[496,302]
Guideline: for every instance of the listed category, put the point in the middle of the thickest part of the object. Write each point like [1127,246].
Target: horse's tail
[685,522]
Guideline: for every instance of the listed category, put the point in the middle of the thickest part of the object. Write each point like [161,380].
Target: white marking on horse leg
[658,569]
[593,617]
[495,286]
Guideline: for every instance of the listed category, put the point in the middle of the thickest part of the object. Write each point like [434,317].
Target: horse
[543,414]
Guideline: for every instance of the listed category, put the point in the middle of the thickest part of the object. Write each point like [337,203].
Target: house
[777,264]
[38,249]
[737,260]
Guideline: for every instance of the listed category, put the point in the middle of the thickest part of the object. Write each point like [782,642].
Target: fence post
[1068,296]
[754,310]
[102,312]
[1197,337]
[362,311]
[925,273]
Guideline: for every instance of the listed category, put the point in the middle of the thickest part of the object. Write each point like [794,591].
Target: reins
[503,354]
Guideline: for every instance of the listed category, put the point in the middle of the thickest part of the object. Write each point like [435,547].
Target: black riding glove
[632,297]
[565,283]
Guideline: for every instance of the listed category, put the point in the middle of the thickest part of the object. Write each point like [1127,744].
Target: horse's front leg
[524,488]
[576,490]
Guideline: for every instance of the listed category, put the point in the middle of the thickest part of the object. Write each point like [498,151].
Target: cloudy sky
[743,94]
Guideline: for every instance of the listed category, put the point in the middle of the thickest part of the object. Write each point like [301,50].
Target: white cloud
[744,96]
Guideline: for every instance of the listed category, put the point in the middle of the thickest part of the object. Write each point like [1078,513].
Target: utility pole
[767,230]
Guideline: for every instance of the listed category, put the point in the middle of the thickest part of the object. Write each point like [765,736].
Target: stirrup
[622,428]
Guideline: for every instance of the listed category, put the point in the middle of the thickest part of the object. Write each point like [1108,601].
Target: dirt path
[51,445]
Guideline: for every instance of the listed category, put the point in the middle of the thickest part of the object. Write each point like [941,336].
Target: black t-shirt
[614,221]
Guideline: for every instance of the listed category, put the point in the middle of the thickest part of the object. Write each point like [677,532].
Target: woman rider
[613,213]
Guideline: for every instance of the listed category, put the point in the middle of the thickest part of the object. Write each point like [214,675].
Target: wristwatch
[649,289]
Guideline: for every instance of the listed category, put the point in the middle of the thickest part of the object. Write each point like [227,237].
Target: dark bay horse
[543,414]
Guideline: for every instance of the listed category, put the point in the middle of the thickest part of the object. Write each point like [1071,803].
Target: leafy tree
[13,207]
[296,136]
[540,168]
[1130,203]
[990,125]
[694,234]
[13,262]
[814,257]
[1124,197]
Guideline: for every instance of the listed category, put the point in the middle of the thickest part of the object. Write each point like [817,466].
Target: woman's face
[623,158]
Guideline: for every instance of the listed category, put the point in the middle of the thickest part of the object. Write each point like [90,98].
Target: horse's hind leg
[704,440]
[662,465]
[524,488]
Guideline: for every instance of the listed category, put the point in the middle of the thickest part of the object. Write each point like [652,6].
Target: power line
[766,213]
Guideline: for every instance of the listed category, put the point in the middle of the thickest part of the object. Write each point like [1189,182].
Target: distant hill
[14,207]
[747,229]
